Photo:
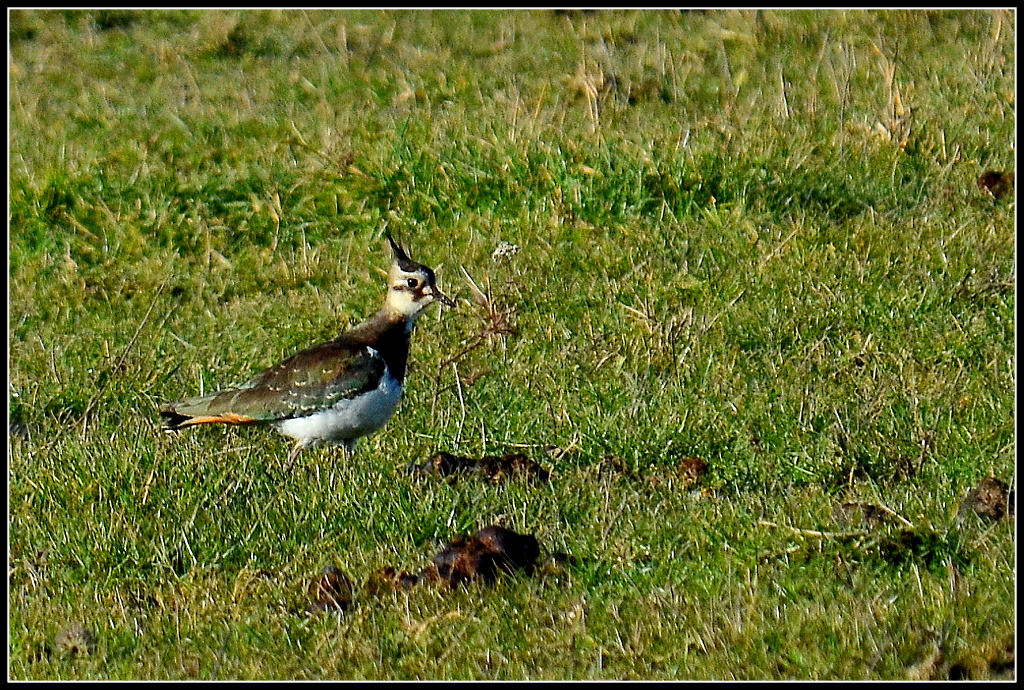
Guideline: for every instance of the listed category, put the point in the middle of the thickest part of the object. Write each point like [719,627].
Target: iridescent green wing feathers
[300,385]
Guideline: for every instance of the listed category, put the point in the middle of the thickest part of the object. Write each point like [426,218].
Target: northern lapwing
[338,391]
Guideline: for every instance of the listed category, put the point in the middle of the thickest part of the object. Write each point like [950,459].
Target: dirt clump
[493,467]
[331,591]
[487,553]
[692,470]
[483,556]
[992,500]
[997,183]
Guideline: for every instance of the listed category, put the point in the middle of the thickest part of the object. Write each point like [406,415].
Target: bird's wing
[310,380]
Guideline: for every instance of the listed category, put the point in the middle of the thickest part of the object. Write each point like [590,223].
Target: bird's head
[412,287]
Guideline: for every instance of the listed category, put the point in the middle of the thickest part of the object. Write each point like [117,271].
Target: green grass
[754,238]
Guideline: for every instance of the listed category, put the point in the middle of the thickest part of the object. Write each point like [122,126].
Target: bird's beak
[442,298]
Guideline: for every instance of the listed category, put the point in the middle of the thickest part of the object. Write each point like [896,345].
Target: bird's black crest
[403,260]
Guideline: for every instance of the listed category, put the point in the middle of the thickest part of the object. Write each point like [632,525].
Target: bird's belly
[348,419]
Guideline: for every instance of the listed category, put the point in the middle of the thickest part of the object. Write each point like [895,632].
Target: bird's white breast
[348,419]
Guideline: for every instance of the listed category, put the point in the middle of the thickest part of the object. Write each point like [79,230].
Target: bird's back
[316,378]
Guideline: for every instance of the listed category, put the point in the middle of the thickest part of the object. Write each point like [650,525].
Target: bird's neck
[388,333]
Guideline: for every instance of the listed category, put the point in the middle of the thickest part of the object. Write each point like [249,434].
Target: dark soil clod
[992,499]
[488,552]
[692,470]
[332,591]
[996,182]
[493,467]
[484,556]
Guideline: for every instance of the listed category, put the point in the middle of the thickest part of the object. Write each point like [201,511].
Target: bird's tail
[209,409]
[172,420]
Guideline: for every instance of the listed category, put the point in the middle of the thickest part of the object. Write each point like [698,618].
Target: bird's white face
[412,288]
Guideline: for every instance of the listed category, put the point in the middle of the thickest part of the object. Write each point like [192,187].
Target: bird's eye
[412,282]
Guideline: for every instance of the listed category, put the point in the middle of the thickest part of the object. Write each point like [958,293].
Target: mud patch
[492,467]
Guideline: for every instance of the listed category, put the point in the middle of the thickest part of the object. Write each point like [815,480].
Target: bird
[337,391]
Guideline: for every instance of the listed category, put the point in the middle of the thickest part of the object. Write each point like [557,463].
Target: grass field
[752,238]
